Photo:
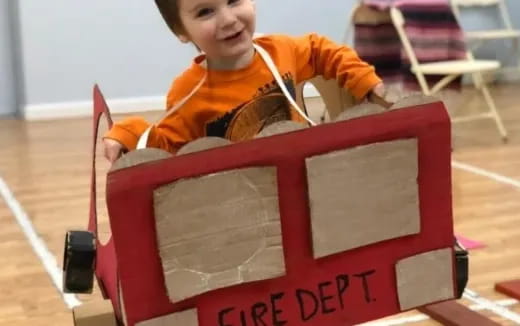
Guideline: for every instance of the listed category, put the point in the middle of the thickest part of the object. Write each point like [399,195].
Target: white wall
[7,84]
[125,46]
[121,44]
[487,18]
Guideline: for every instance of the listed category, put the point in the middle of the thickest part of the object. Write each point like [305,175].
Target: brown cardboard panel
[98,313]
[413,100]
[335,98]
[280,127]
[183,318]
[219,230]
[202,144]
[140,156]
[425,278]
[363,195]
[360,110]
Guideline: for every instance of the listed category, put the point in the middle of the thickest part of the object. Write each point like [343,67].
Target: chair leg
[494,112]
[478,80]
[516,46]
[424,84]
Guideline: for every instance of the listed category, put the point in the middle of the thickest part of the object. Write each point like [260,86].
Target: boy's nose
[227,17]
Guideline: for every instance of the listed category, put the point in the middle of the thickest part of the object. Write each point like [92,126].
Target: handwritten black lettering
[243,318]
[342,283]
[300,295]
[366,288]
[257,312]
[275,311]
[324,299]
[221,315]
[319,299]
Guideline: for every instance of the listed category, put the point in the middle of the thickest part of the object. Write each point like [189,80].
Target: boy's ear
[183,38]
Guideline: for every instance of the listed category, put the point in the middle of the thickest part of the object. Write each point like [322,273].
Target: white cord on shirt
[143,140]
[279,80]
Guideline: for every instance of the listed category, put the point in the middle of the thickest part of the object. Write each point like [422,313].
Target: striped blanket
[431,27]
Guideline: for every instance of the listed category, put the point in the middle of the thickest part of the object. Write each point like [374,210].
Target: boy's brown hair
[170,12]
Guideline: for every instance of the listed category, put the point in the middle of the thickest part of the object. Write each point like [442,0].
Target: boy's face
[222,29]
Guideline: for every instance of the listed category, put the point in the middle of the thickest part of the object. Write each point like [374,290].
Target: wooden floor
[46,166]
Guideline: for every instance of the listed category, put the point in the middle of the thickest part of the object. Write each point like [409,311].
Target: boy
[229,90]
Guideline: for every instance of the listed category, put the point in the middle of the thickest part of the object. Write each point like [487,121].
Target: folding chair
[478,37]
[451,70]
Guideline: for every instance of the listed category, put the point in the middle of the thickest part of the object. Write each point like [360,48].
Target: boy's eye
[204,12]
[231,2]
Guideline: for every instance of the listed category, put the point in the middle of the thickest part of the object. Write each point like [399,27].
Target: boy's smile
[233,36]
[222,29]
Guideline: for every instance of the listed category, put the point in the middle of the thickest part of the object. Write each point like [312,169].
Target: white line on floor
[469,294]
[37,244]
[56,274]
[503,303]
[495,176]
[421,317]
[397,321]
[492,306]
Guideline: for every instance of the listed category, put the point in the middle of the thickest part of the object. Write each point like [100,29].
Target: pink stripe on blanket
[386,4]
[377,49]
[438,41]
[434,24]
[430,55]
[371,31]
[451,32]
[433,55]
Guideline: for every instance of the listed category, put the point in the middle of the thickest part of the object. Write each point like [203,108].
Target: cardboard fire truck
[336,224]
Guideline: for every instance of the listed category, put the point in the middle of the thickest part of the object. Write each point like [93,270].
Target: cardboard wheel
[280,127]
[202,144]
[140,156]
[413,100]
[360,110]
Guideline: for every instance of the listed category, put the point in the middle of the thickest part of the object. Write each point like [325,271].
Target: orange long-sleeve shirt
[229,102]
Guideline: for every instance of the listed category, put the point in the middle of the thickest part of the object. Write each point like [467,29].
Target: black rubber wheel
[461,268]
[79,262]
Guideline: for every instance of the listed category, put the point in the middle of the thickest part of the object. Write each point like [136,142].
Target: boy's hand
[113,149]
[378,95]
